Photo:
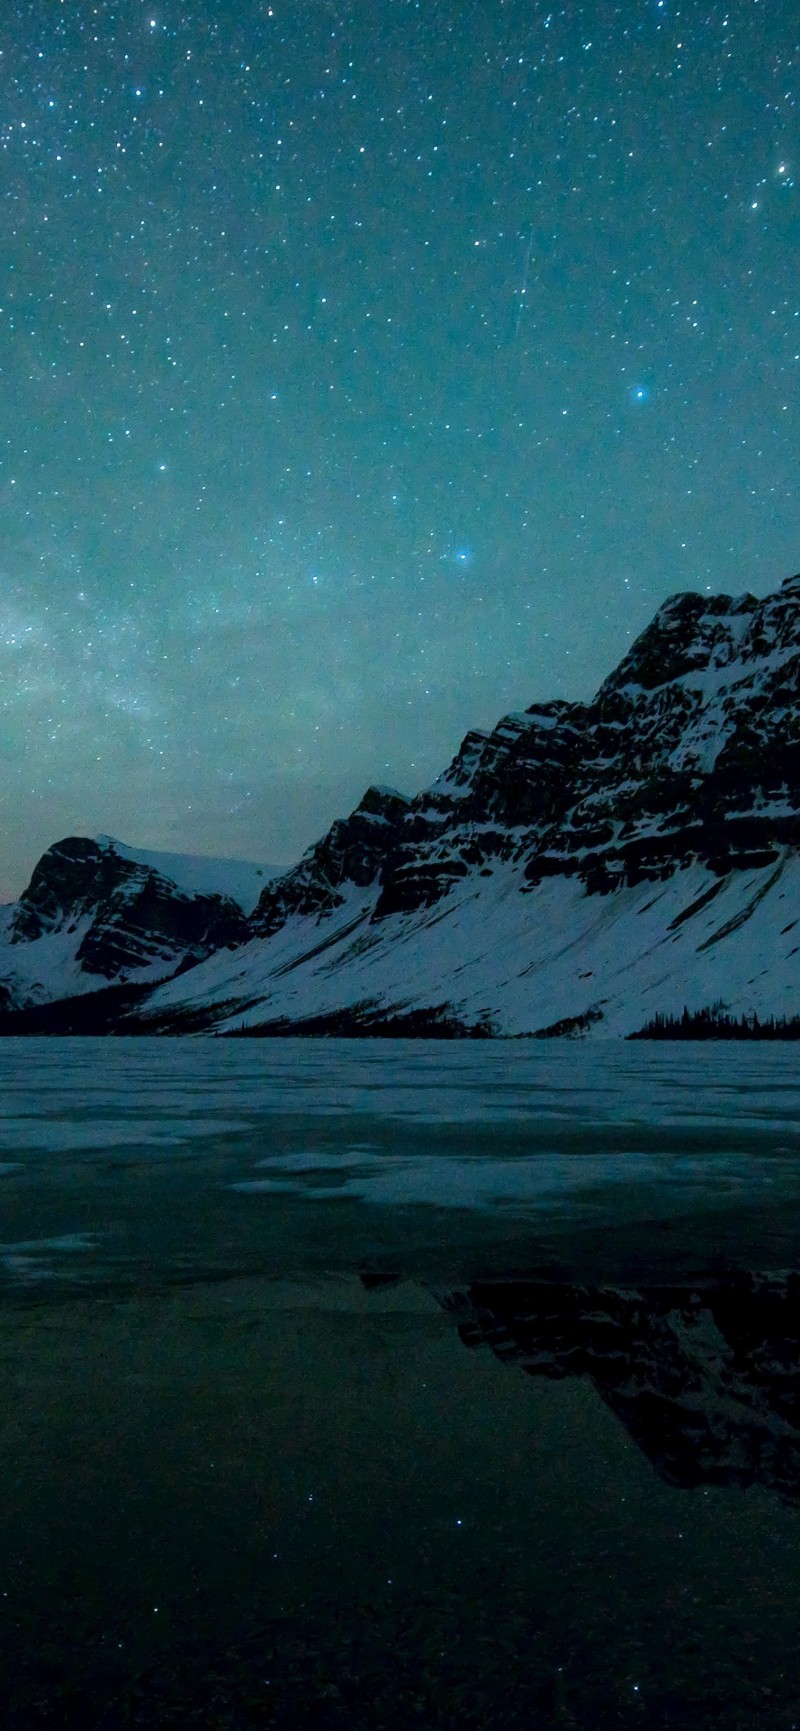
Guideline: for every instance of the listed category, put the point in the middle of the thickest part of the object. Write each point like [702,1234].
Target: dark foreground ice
[399,1385]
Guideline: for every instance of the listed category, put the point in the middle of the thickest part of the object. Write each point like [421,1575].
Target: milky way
[368,372]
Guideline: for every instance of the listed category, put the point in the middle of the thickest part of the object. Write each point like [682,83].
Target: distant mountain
[582,868]
[97,913]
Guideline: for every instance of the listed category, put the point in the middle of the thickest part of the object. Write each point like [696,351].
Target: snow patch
[199,874]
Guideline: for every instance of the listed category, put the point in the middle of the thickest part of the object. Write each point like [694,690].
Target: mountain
[580,868]
[97,913]
[705,1379]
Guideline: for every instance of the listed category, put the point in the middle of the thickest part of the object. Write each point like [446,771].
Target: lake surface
[399,1384]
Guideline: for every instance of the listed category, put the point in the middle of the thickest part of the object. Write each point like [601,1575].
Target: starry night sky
[368,372]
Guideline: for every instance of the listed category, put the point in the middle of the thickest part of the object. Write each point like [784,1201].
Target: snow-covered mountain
[97,913]
[579,868]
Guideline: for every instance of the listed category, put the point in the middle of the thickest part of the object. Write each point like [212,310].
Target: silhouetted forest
[715,1024]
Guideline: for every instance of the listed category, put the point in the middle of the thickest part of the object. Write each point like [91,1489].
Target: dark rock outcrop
[126,915]
[354,850]
[692,747]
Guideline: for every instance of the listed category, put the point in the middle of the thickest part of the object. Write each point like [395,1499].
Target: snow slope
[521,962]
[200,874]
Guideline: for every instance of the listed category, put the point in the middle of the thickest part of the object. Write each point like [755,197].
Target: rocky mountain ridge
[690,750]
[579,868]
[576,869]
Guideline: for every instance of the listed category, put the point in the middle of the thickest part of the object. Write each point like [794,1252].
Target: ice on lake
[341,1378]
[256,1154]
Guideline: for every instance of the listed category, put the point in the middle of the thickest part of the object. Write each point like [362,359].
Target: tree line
[715,1023]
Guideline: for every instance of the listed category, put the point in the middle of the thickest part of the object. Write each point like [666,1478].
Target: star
[385,296]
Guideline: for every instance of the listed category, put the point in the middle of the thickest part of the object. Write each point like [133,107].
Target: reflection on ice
[705,1378]
[345,1483]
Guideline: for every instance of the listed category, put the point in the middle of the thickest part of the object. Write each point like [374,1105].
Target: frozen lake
[142,1160]
[389,1384]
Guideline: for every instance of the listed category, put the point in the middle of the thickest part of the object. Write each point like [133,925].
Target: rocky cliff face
[501,792]
[706,1379]
[692,747]
[689,752]
[93,914]
[354,852]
